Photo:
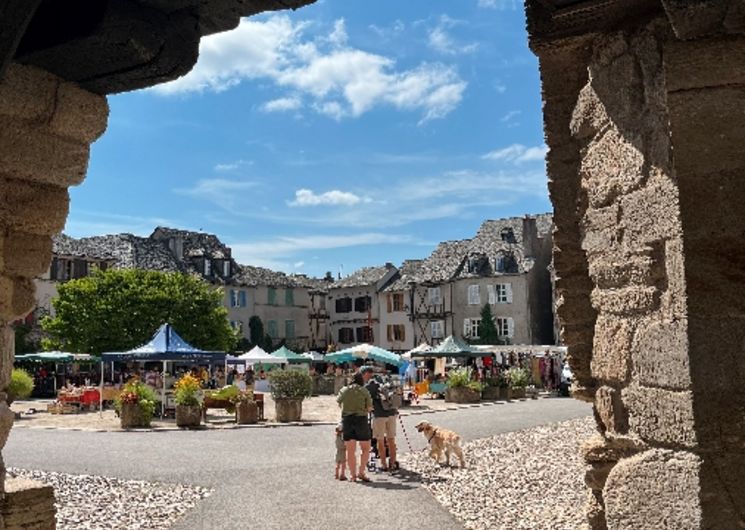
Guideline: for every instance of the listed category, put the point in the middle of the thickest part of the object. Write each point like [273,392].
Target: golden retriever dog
[440,440]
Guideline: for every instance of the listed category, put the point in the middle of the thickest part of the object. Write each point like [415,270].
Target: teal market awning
[285,353]
[451,347]
[365,352]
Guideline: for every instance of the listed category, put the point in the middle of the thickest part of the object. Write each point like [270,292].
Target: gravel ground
[530,479]
[86,502]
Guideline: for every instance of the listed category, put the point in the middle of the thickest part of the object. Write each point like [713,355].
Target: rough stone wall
[46,128]
[644,163]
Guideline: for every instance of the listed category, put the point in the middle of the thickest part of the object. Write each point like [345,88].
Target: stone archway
[644,108]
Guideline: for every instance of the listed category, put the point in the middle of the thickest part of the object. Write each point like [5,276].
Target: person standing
[356,403]
[383,424]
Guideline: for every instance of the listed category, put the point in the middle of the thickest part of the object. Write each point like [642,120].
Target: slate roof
[363,277]
[196,244]
[124,251]
[409,272]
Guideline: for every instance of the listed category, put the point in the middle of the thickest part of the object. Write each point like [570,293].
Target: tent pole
[100,394]
[163,393]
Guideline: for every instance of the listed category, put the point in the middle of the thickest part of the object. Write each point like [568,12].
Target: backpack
[391,397]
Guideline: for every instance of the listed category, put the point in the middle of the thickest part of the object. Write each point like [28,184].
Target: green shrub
[460,377]
[290,384]
[135,391]
[518,377]
[21,384]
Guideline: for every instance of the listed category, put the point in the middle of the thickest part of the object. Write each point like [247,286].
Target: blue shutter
[242,298]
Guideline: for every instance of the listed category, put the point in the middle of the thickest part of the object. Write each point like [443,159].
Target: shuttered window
[474,295]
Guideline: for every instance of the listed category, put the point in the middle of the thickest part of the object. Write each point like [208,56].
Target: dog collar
[434,432]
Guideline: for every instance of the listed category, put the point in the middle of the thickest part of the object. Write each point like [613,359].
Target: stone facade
[643,118]
[27,505]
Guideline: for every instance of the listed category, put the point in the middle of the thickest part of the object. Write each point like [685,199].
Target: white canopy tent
[423,347]
[314,356]
[256,356]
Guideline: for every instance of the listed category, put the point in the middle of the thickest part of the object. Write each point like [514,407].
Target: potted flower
[289,388]
[135,404]
[246,408]
[186,393]
[460,387]
[519,379]
[21,385]
[491,389]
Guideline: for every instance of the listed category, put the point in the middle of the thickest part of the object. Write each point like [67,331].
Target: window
[503,293]
[474,295]
[346,335]
[237,325]
[472,265]
[289,297]
[505,327]
[508,235]
[242,298]
[506,263]
[437,329]
[271,329]
[207,267]
[289,329]
[398,301]
[226,268]
[364,334]
[344,305]
[435,295]
[233,298]
[272,296]
[396,332]
[362,304]
[471,328]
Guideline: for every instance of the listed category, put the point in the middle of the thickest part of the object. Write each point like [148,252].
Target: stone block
[596,475]
[32,207]
[704,63]
[610,410]
[16,297]
[612,349]
[609,270]
[25,255]
[7,351]
[651,214]
[595,512]
[610,448]
[80,115]
[28,505]
[34,154]
[661,416]
[673,301]
[656,489]
[27,93]
[660,354]
[625,301]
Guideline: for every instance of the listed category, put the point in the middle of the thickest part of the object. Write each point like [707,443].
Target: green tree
[488,330]
[256,331]
[117,310]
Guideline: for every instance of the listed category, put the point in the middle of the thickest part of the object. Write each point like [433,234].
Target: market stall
[165,346]
[365,352]
[52,370]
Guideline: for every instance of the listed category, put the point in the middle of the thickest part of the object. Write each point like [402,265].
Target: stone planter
[188,415]
[246,413]
[324,385]
[518,393]
[490,393]
[288,410]
[462,394]
[131,416]
[505,393]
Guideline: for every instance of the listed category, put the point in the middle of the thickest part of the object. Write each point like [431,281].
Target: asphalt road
[275,478]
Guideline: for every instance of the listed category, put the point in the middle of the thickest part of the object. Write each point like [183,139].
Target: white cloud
[232,166]
[279,252]
[498,4]
[305,197]
[518,153]
[341,81]
[298,264]
[510,116]
[282,104]
[441,41]
[222,192]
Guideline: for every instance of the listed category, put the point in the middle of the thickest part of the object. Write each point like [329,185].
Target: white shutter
[466,327]
[492,291]
[510,327]
[508,287]
[474,295]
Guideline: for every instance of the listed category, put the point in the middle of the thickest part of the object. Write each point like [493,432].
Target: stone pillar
[647,177]
[46,128]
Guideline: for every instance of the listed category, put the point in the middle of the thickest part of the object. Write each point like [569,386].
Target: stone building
[643,115]
[354,306]
[396,309]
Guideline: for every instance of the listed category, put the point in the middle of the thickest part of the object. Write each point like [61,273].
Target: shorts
[356,428]
[384,426]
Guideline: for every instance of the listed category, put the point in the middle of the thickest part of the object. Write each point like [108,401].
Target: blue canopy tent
[166,345]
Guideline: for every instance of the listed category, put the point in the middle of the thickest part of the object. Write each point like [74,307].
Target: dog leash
[406,436]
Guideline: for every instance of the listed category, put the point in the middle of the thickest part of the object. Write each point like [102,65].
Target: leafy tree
[22,341]
[268,343]
[256,331]
[488,330]
[116,310]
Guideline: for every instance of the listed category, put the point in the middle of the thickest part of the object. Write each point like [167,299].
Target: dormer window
[226,268]
[506,263]
[472,265]
[508,235]
[207,267]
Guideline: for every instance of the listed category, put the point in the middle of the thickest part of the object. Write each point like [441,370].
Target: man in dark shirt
[383,425]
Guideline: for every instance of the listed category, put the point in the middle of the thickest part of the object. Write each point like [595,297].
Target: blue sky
[344,134]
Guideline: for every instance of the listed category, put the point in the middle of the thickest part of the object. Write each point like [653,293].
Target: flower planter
[131,416]
[462,394]
[518,393]
[490,393]
[288,410]
[188,415]
[505,393]
[246,413]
